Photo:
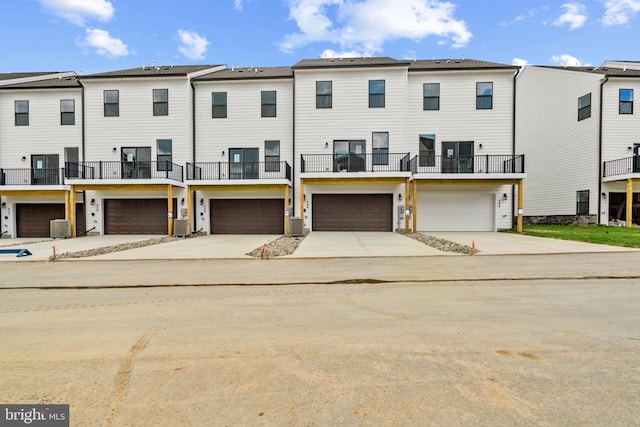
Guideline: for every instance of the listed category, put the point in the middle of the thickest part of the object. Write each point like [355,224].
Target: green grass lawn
[615,236]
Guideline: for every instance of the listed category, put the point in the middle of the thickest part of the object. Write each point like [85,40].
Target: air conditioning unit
[296,226]
[181,227]
[59,228]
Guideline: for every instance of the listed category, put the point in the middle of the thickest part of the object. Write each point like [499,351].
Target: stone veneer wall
[561,220]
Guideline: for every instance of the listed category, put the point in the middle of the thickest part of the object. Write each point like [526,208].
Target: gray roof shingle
[247,74]
[383,61]
[62,82]
[458,64]
[151,71]
[605,71]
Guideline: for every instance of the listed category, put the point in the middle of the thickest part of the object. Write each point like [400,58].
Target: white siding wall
[561,153]
[45,134]
[458,119]
[244,127]
[350,116]
[137,126]
[619,131]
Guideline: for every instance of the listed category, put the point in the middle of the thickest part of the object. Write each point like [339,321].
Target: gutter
[293,160]
[193,154]
[598,217]
[513,145]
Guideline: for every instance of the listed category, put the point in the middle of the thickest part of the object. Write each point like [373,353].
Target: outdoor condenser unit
[296,226]
[181,227]
[60,228]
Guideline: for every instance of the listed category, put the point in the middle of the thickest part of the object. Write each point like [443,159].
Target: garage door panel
[136,216]
[33,219]
[352,212]
[456,212]
[247,216]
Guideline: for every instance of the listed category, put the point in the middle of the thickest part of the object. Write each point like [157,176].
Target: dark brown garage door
[33,218]
[136,216]
[247,216]
[352,212]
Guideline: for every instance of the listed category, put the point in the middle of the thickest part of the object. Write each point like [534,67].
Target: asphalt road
[85,273]
[545,340]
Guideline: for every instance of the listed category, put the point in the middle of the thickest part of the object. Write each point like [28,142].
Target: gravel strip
[442,244]
[114,248]
[285,245]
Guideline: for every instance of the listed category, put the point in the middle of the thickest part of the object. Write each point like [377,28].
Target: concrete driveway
[316,245]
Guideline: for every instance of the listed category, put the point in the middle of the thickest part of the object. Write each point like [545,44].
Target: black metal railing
[625,166]
[240,170]
[369,162]
[30,176]
[124,170]
[488,163]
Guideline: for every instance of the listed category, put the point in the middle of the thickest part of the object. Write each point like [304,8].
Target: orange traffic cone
[473,247]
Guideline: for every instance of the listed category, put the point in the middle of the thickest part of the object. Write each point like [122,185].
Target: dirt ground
[524,352]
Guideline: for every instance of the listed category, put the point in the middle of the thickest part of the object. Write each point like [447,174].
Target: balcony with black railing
[369,162]
[626,166]
[216,171]
[30,176]
[102,170]
[480,164]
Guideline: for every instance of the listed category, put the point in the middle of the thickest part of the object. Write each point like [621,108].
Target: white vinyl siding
[244,127]
[44,135]
[458,119]
[350,117]
[561,152]
[619,131]
[135,125]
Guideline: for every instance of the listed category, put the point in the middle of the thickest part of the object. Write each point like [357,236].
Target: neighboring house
[386,144]
[460,128]
[241,169]
[580,133]
[40,131]
[138,137]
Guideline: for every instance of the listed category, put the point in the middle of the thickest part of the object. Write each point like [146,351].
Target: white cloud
[363,26]
[330,53]
[574,15]
[237,4]
[567,60]
[193,46]
[104,44]
[519,62]
[618,12]
[78,11]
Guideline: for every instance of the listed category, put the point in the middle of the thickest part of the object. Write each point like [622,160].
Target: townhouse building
[467,174]
[240,172]
[422,145]
[40,129]
[374,144]
[138,136]
[579,130]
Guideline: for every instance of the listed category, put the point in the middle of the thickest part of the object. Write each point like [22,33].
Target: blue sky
[90,36]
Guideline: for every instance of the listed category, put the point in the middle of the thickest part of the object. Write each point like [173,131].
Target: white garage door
[440,211]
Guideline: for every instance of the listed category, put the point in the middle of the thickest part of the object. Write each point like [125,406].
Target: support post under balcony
[414,201]
[629,216]
[286,208]
[189,208]
[406,206]
[72,209]
[519,224]
[170,209]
